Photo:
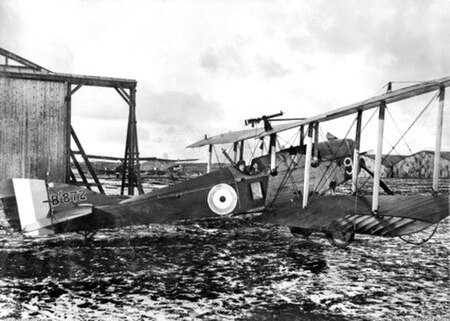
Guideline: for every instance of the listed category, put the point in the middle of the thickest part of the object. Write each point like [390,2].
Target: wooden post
[131,158]
[68,127]
[438,143]
[273,152]
[307,165]
[125,160]
[378,156]
[356,151]
[208,166]
[137,163]
[131,145]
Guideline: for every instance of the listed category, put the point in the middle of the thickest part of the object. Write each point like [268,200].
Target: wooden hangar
[35,124]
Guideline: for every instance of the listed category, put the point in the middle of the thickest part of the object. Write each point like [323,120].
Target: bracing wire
[399,131]
[414,122]
[368,121]
[287,142]
[217,157]
[407,130]
[287,175]
[254,149]
[334,155]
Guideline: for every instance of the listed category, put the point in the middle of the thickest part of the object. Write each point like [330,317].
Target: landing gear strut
[340,239]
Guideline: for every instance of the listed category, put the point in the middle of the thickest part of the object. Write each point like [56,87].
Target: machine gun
[265,119]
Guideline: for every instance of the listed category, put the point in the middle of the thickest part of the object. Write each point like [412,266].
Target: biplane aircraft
[293,186]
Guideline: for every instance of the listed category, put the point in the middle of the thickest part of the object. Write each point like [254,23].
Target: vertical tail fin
[32,203]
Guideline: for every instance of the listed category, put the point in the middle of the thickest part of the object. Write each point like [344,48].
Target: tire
[340,239]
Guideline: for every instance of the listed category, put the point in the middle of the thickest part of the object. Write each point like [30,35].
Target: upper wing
[389,97]
[230,137]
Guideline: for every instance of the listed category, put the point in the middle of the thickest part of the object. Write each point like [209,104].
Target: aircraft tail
[32,202]
[36,213]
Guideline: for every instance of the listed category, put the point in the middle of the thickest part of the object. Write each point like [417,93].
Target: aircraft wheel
[299,232]
[340,239]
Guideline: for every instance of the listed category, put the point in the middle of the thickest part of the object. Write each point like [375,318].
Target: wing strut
[437,151]
[356,153]
[307,164]
[273,154]
[208,167]
[378,156]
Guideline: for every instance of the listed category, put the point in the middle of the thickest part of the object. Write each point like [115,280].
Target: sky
[203,67]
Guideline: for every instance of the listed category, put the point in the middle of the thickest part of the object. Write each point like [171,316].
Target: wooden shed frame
[21,68]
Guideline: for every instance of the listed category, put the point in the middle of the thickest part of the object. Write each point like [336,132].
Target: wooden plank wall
[33,129]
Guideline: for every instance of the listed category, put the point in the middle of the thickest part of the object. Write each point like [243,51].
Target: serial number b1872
[68,197]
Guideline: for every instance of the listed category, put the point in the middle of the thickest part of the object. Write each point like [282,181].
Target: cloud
[227,58]
[270,68]
[175,107]
[209,60]
[10,24]
[397,38]
[52,52]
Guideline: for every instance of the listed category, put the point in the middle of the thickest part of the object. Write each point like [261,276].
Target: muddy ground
[222,269]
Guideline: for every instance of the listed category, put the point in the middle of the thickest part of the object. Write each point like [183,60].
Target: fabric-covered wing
[230,137]
[389,97]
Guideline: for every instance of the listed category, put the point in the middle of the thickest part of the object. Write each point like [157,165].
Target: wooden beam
[73,79]
[131,159]
[123,95]
[307,165]
[21,60]
[86,161]
[378,158]
[68,128]
[73,91]
[131,154]
[438,142]
[356,152]
[80,171]
[137,168]
[125,160]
